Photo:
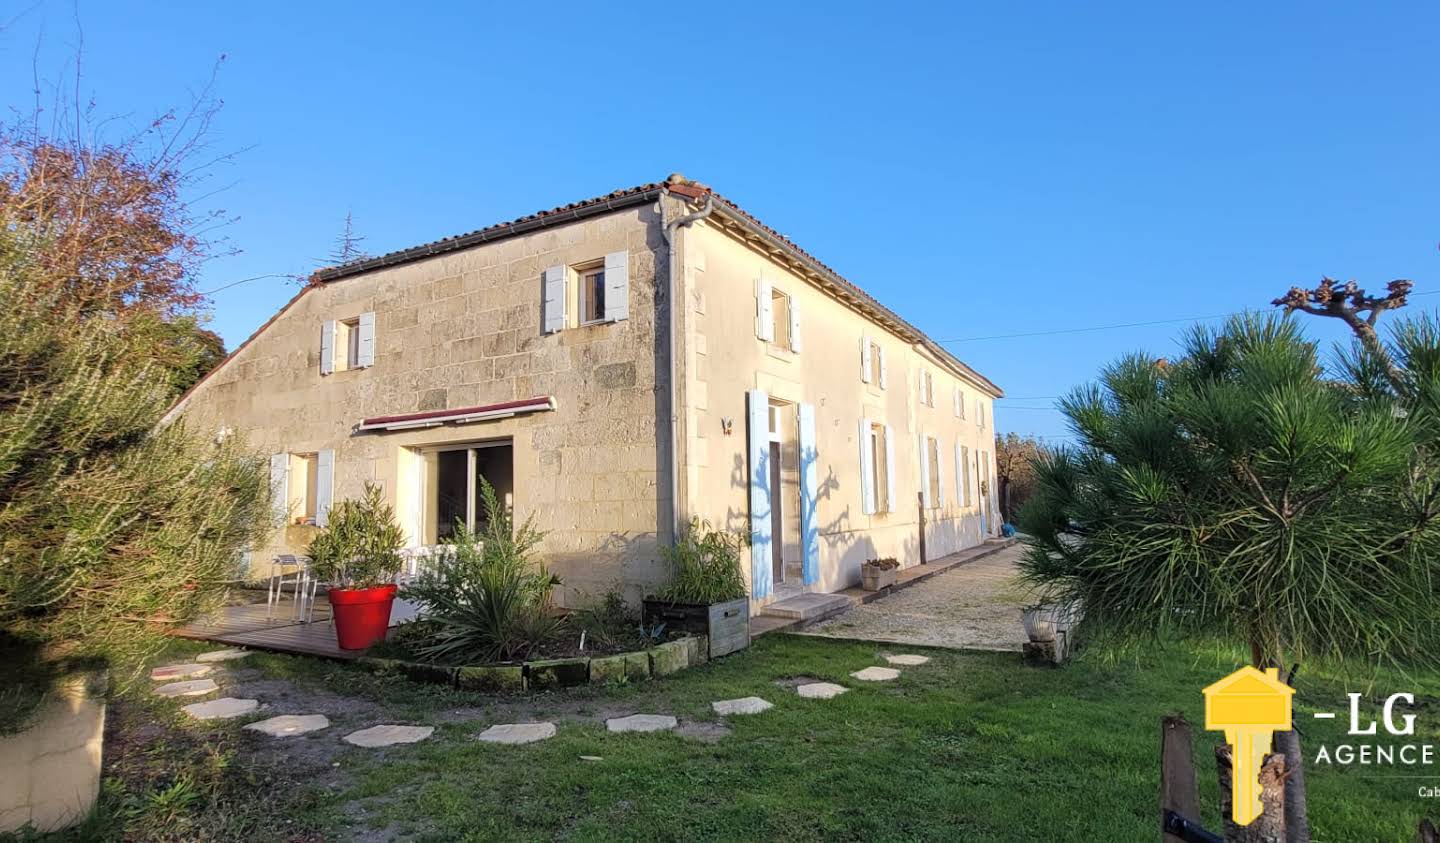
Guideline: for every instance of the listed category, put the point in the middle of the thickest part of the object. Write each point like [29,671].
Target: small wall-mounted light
[727,425]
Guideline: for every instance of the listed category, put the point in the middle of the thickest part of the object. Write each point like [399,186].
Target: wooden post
[1427,832]
[1269,827]
[1178,791]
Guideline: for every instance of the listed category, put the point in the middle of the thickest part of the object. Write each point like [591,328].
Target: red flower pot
[362,615]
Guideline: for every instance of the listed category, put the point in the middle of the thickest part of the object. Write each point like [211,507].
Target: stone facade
[467,327]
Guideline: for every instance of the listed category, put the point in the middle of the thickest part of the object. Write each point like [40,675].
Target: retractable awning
[462,415]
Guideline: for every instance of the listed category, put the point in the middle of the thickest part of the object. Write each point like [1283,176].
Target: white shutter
[959,402]
[366,355]
[939,472]
[920,384]
[865,359]
[761,575]
[979,413]
[889,468]
[324,486]
[924,470]
[764,311]
[617,286]
[965,458]
[794,324]
[327,347]
[867,470]
[959,475]
[884,370]
[554,299]
[280,485]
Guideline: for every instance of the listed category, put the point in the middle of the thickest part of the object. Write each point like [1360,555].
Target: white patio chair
[294,571]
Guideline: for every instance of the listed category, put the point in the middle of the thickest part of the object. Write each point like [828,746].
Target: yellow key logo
[1249,706]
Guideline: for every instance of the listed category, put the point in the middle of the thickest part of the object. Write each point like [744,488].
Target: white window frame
[588,276]
[781,327]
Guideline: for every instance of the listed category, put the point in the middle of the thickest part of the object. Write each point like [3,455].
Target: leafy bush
[705,566]
[608,624]
[112,529]
[359,547]
[485,600]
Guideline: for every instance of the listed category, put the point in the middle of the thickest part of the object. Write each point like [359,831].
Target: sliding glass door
[454,478]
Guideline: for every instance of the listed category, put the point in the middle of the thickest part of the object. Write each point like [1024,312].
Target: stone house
[614,368]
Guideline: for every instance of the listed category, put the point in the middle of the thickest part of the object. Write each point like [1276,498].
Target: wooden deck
[248,626]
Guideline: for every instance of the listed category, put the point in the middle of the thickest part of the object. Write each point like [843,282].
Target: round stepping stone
[518,733]
[221,709]
[744,705]
[907,660]
[287,725]
[388,735]
[642,723]
[223,655]
[876,674]
[180,671]
[820,690]
[189,688]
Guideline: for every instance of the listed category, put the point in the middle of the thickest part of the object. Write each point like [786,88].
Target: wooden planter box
[873,578]
[726,625]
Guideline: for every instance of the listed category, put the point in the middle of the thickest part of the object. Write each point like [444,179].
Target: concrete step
[808,608]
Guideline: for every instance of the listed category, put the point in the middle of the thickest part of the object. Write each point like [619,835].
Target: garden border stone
[544,674]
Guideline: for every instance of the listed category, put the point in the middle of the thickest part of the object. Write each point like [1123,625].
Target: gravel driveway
[974,606]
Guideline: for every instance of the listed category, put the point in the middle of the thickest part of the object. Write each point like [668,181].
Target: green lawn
[972,746]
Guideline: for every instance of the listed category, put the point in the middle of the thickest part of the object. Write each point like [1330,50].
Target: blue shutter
[809,496]
[761,575]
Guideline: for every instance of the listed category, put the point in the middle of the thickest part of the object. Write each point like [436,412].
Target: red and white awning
[463,415]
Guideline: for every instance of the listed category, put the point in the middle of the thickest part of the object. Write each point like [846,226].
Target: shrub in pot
[706,594]
[876,574]
[357,554]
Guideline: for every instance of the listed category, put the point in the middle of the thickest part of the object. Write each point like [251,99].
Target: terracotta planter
[874,578]
[362,615]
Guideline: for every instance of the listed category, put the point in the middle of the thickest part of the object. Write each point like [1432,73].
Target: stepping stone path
[744,705]
[642,723]
[876,674]
[179,671]
[221,709]
[518,733]
[288,725]
[388,735]
[907,660]
[820,690]
[191,688]
[223,655]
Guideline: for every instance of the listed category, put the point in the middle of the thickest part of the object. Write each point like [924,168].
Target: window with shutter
[324,486]
[865,361]
[889,468]
[965,462]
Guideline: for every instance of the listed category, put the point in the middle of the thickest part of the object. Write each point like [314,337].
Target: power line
[245,281]
[1119,325]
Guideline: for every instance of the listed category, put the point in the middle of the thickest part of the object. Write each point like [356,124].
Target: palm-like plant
[1237,492]
[485,599]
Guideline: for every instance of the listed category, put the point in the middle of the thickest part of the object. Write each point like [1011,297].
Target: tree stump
[1269,827]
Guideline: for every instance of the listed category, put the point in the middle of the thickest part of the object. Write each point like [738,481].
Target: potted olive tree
[357,554]
[706,594]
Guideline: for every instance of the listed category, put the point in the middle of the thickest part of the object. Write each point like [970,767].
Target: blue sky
[983,170]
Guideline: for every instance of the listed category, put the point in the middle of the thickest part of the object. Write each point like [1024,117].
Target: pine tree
[1238,493]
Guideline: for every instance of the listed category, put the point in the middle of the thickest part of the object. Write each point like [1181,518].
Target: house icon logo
[1249,706]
